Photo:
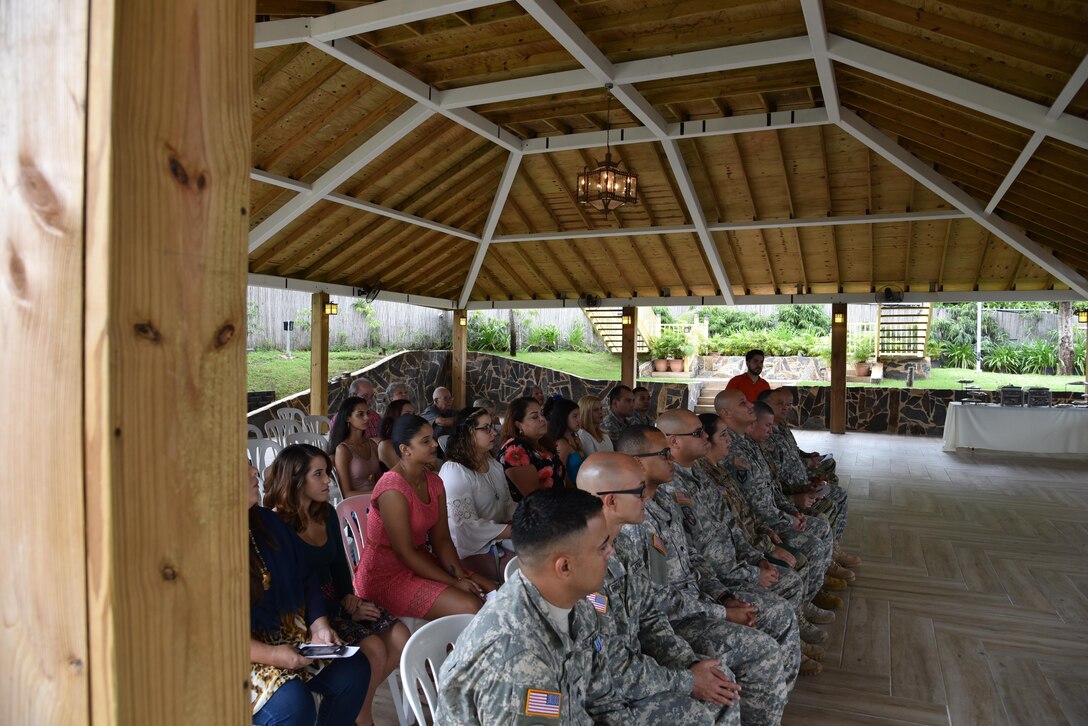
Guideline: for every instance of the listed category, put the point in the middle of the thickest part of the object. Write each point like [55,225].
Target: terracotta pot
[863,369]
[676,365]
[660,365]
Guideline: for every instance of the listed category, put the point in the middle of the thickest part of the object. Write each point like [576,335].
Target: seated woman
[564,422]
[477,497]
[355,455]
[408,506]
[527,456]
[387,452]
[287,609]
[298,491]
[590,435]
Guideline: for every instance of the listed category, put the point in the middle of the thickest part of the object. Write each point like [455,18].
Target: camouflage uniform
[512,666]
[793,474]
[748,466]
[708,524]
[612,425]
[649,664]
[641,419]
[758,534]
[688,592]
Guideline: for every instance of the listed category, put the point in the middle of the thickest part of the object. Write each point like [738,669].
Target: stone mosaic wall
[777,368]
[896,368]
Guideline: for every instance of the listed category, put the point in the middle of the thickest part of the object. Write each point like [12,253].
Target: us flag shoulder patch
[598,601]
[542,703]
[682,497]
[659,544]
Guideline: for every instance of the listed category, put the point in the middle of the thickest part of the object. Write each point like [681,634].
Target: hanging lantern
[607,186]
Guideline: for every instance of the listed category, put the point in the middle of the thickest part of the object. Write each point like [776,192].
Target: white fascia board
[380,69]
[817,37]
[290,283]
[685,130]
[509,172]
[970,94]
[938,184]
[712,60]
[295,185]
[272,33]
[593,233]
[365,153]
[388,14]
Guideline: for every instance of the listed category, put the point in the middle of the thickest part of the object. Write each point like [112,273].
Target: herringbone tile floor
[971,607]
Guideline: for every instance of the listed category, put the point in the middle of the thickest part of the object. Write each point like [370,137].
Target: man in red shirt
[749,382]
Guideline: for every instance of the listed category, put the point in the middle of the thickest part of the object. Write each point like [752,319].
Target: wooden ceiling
[799,208]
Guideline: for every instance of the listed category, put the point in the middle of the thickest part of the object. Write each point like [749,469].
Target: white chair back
[316,424]
[511,567]
[308,437]
[279,429]
[262,452]
[289,413]
[253,432]
[428,646]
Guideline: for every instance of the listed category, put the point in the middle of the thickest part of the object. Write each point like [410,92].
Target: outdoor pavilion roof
[783,147]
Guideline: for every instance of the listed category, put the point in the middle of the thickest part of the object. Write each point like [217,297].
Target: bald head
[684,432]
[735,410]
[677,421]
[726,397]
[607,471]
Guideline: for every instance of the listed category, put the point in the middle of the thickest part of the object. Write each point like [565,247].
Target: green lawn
[948,377]
[269,370]
[604,366]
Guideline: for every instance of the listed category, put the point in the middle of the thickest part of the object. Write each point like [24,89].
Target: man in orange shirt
[749,383]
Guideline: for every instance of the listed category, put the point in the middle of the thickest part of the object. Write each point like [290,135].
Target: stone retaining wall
[775,368]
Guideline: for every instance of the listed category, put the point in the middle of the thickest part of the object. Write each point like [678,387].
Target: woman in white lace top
[478,499]
[591,436]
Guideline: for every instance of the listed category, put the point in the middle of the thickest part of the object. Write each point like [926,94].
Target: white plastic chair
[279,429]
[254,432]
[289,413]
[316,424]
[262,452]
[428,646]
[309,437]
[511,567]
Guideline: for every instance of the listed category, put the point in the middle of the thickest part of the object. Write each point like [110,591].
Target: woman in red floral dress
[527,456]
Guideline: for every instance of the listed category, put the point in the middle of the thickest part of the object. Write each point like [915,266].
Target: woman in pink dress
[355,456]
[409,504]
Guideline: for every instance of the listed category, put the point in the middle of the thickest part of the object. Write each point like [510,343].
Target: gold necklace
[266,576]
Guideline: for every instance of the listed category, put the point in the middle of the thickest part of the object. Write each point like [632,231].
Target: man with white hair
[440,413]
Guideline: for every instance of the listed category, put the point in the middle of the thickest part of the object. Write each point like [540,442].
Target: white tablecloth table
[1036,430]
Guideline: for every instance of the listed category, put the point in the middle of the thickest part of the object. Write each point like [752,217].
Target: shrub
[804,319]
[576,339]
[959,355]
[670,344]
[486,333]
[543,337]
[723,321]
[862,347]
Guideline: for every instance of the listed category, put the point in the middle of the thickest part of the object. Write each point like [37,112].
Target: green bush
[576,339]
[723,321]
[862,347]
[804,319]
[670,344]
[486,333]
[959,355]
[543,337]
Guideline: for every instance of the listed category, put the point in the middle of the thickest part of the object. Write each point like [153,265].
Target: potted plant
[862,348]
[659,350]
[676,350]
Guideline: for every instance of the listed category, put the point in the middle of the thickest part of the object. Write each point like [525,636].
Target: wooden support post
[459,360]
[319,355]
[161,466]
[837,404]
[629,343]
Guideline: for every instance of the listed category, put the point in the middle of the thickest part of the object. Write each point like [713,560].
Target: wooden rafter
[642,261]
[944,255]
[567,191]
[575,286]
[731,245]
[985,250]
[800,258]
[909,239]
[572,247]
[434,266]
[619,267]
[532,266]
[765,251]
[277,64]
[835,257]
[390,105]
[293,99]
[785,172]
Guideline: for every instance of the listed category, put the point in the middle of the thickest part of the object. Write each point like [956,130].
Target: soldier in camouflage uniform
[655,672]
[641,415]
[697,605]
[748,466]
[526,659]
[621,404]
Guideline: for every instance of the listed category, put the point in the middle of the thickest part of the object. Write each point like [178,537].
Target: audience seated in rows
[527,455]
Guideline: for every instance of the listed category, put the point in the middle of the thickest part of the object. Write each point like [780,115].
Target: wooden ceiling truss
[395,146]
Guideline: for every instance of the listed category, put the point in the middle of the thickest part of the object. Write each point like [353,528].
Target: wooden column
[319,355]
[44,649]
[837,403]
[459,359]
[629,343]
[163,407]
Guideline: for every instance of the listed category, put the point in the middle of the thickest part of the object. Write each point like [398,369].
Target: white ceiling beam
[281,32]
[743,124]
[711,60]
[387,14]
[817,36]
[380,69]
[505,183]
[990,101]
[293,184]
[852,298]
[350,165]
[291,283]
[552,18]
[938,184]
[1072,87]
[885,218]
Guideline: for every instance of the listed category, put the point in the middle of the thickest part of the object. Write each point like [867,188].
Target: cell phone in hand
[826,458]
[321,651]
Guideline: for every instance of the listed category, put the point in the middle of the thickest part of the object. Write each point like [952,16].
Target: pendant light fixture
[607,186]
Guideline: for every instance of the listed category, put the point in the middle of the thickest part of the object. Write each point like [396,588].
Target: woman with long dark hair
[564,422]
[355,456]
[287,610]
[527,456]
[387,452]
[298,491]
[477,498]
[407,508]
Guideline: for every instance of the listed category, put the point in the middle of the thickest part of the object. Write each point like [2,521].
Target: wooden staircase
[609,328]
[710,389]
[902,330]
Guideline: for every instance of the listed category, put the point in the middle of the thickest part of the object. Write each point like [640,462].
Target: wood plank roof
[793,203]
